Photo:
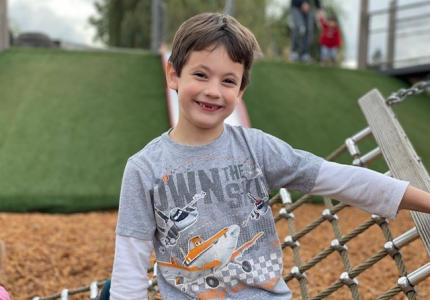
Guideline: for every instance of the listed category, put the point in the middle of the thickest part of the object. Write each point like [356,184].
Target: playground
[71,251]
[55,252]
[67,130]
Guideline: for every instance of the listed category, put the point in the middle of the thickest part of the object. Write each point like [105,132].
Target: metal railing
[386,43]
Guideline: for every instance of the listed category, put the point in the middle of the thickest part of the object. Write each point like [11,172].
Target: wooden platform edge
[401,157]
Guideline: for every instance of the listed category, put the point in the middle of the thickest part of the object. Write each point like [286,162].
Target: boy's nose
[212,90]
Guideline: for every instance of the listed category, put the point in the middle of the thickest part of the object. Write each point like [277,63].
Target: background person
[330,39]
[302,29]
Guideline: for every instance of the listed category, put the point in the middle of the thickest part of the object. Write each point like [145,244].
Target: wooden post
[363,34]
[4,27]
[401,158]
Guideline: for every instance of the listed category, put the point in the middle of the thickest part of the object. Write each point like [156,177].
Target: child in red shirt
[330,39]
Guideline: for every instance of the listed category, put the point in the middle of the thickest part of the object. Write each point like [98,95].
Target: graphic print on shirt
[212,220]
[261,206]
[178,220]
[205,257]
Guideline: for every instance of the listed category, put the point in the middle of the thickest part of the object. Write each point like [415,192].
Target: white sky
[67,20]
[59,19]
[412,37]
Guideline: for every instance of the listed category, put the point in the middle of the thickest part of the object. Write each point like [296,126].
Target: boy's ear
[171,76]
[239,96]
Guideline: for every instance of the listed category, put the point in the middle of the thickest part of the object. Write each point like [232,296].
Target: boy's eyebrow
[209,70]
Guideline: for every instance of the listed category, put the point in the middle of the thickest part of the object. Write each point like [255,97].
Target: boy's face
[208,89]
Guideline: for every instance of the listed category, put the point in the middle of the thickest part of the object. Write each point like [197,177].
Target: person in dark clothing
[302,29]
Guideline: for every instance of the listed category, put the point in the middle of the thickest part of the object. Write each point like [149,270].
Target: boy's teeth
[209,107]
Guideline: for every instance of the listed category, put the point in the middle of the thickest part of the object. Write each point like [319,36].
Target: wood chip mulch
[46,253]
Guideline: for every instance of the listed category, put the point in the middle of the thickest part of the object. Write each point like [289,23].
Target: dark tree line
[123,23]
[127,23]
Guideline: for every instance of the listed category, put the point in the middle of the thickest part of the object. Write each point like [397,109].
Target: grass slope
[69,120]
[68,123]
[316,109]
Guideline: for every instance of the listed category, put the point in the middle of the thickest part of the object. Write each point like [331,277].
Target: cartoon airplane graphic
[261,206]
[204,258]
[179,219]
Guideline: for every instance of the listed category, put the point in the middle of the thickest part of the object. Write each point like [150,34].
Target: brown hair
[208,31]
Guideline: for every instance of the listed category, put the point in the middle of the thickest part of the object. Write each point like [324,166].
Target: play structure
[403,163]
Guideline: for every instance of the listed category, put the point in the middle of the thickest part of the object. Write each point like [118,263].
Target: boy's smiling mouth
[208,106]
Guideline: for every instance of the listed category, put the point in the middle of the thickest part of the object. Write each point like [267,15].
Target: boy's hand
[416,199]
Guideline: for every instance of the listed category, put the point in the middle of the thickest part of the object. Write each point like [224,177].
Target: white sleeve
[129,275]
[360,187]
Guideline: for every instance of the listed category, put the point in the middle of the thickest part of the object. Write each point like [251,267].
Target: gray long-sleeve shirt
[205,208]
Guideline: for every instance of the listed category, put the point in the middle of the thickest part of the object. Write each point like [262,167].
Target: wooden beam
[400,155]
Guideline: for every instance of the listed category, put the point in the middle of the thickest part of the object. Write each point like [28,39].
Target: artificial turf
[70,120]
[68,123]
[316,109]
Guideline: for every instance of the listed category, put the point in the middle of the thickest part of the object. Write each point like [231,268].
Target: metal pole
[363,37]
[229,7]
[4,27]
[163,20]
[155,38]
[391,33]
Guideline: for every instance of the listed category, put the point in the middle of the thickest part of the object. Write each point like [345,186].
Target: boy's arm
[415,199]
[134,234]
[363,188]
[129,275]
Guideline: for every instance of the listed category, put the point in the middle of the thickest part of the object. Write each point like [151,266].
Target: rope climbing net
[375,108]
[348,277]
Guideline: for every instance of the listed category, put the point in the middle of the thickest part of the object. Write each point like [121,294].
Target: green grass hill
[70,120]
[316,109]
[68,123]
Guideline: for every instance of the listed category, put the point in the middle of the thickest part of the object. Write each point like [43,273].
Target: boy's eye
[198,74]
[229,81]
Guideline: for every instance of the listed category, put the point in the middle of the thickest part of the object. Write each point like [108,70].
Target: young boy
[330,39]
[198,194]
